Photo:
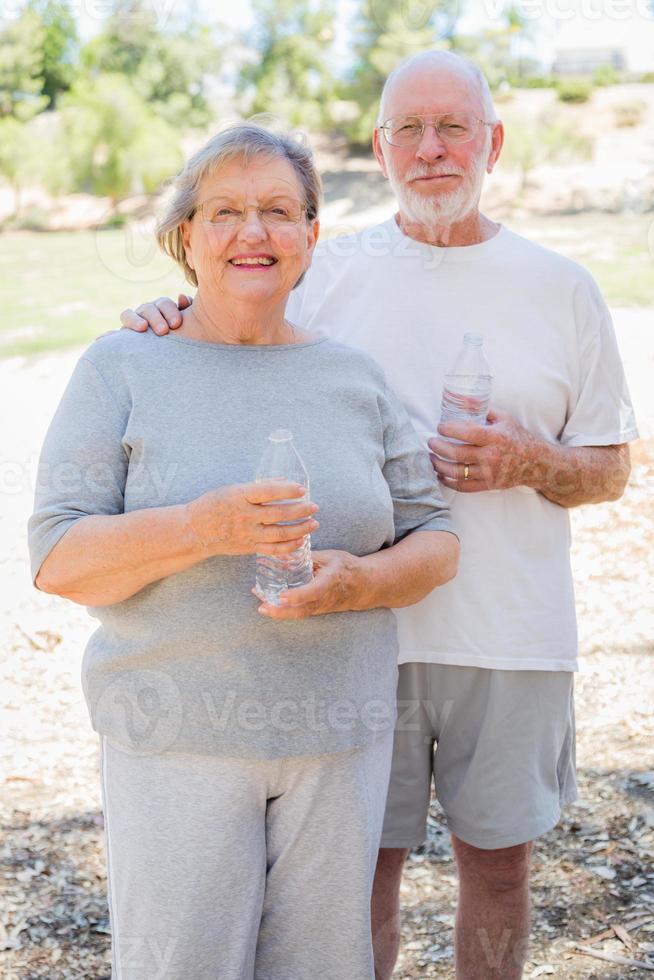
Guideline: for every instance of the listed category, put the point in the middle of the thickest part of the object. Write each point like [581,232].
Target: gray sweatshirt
[187,664]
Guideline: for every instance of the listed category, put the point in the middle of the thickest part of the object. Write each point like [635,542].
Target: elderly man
[486,678]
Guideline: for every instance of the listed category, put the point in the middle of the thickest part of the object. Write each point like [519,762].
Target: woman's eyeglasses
[272,214]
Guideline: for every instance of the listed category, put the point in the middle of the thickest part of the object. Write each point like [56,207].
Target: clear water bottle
[467,386]
[276,573]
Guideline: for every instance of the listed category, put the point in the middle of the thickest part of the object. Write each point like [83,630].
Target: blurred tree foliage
[60,47]
[123,100]
[113,141]
[20,160]
[21,67]
[290,75]
[500,51]
[38,57]
[168,69]
[547,139]
[386,32]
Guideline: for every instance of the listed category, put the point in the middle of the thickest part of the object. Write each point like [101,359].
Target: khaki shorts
[498,744]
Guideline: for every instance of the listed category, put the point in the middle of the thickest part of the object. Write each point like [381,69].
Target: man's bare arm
[585,475]
[504,454]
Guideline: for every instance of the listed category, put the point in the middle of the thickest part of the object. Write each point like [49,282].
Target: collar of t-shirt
[450,253]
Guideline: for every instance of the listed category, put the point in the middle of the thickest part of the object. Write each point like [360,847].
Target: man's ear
[377,147]
[497,142]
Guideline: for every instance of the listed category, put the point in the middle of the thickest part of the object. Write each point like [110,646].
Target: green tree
[387,32]
[168,69]
[172,76]
[122,44]
[59,47]
[114,143]
[21,67]
[38,52]
[291,77]
[19,156]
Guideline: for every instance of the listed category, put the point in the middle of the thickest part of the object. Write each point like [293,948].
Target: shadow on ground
[593,869]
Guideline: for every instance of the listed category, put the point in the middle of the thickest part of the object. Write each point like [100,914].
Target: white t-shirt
[551,346]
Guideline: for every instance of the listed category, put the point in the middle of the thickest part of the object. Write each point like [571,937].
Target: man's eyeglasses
[274,214]
[452,127]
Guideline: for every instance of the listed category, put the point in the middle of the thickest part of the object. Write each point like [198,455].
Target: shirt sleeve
[603,414]
[83,464]
[306,300]
[417,501]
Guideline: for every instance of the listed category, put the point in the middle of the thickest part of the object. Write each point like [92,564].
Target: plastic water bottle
[467,386]
[276,573]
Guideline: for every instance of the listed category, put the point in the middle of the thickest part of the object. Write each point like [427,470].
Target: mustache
[418,172]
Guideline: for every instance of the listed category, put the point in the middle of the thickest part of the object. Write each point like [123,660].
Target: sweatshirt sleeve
[83,464]
[417,501]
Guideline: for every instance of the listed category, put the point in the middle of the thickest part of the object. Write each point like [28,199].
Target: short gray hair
[446,59]
[244,141]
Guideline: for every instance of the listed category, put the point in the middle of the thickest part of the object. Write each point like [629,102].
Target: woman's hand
[336,587]
[388,579]
[243,519]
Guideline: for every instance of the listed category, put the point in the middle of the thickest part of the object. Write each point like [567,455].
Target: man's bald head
[437,179]
[439,65]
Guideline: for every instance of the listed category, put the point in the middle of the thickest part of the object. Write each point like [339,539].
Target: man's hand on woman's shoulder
[161,315]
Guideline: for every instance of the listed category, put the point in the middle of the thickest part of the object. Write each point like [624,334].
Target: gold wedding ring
[466,471]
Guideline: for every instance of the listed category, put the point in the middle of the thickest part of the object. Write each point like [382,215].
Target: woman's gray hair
[245,142]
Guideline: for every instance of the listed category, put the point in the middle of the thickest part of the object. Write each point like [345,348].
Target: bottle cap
[474,339]
[281,435]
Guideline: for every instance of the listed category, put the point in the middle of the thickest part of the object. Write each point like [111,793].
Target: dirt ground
[591,875]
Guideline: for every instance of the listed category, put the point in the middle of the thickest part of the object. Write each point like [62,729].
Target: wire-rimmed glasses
[452,127]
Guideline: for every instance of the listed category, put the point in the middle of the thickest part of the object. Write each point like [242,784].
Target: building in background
[582,45]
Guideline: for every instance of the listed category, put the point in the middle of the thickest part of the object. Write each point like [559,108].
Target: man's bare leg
[492,921]
[385,909]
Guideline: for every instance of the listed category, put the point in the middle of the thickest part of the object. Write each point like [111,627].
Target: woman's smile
[253,261]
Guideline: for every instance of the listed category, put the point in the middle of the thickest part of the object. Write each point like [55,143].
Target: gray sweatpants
[233,869]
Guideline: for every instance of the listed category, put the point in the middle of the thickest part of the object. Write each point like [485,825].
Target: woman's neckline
[214,345]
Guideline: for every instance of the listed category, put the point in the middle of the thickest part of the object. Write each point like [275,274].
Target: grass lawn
[617,249]
[63,289]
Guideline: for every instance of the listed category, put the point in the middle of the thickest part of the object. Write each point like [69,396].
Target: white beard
[442,210]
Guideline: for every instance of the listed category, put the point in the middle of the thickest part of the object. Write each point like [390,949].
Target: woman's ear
[313,234]
[185,229]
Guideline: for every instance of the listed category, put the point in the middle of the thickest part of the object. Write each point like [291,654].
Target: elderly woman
[245,748]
